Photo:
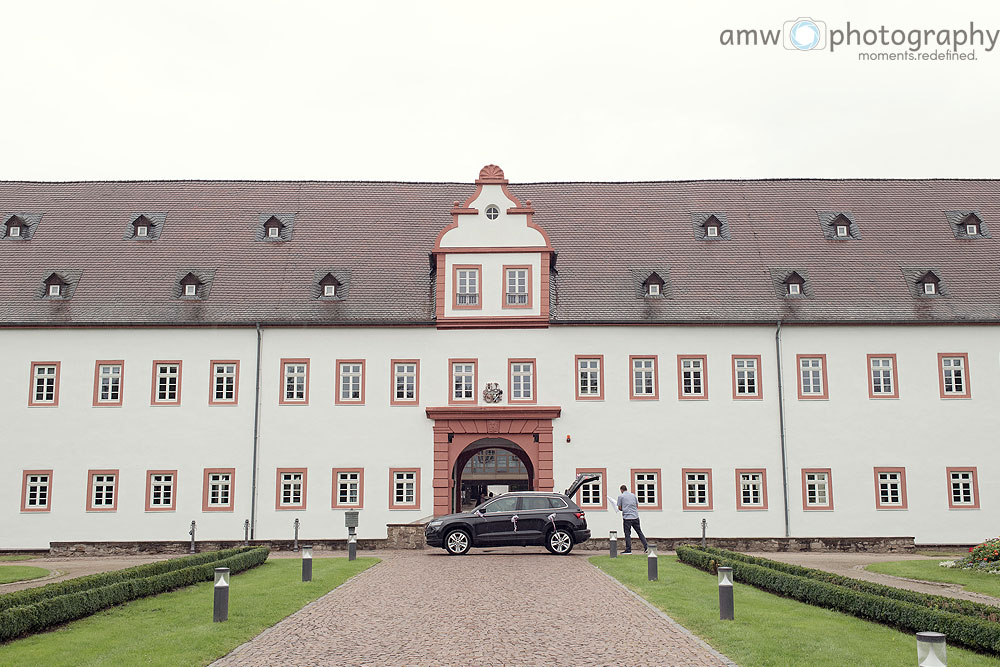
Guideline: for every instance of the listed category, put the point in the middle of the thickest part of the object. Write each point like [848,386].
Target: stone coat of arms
[493,393]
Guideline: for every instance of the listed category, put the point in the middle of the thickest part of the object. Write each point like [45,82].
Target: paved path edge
[301,609]
[670,621]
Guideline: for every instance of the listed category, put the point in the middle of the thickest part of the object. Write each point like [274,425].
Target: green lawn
[770,630]
[16,557]
[9,573]
[929,570]
[176,628]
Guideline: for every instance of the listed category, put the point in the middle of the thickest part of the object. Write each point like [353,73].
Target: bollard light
[351,523]
[191,533]
[246,531]
[352,546]
[651,564]
[726,594]
[295,542]
[307,562]
[220,606]
[932,651]
[613,544]
[704,529]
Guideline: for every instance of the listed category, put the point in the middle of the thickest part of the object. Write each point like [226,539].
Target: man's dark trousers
[629,525]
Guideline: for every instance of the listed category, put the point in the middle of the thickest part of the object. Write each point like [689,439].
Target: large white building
[801,357]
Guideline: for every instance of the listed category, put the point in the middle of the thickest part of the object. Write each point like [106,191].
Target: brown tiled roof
[381,234]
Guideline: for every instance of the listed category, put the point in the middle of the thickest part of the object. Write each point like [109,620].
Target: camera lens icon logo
[804,34]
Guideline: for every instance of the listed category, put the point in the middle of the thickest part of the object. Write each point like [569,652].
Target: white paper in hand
[614,502]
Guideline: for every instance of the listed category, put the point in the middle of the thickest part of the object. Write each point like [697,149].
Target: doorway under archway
[489,466]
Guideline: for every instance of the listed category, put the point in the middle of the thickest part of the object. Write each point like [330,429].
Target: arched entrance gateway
[463,433]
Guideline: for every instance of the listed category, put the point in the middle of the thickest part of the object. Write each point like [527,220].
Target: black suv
[522,518]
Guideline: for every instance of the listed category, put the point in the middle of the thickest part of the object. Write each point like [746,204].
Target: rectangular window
[36,490]
[463,380]
[225,382]
[291,489]
[218,489]
[890,488]
[645,384]
[351,382]
[697,488]
[160,490]
[592,495]
[108,380]
[751,489]
[963,488]
[348,488]
[405,382]
[404,490]
[102,490]
[166,383]
[692,378]
[294,382]
[647,488]
[747,377]
[466,284]
[517,287]
[882,376]
[44,383]
[817,489]
[812,376]
[953,370]
[521,380]
[589,378]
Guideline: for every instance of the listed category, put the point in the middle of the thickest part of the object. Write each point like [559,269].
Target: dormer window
[837,225]
[142,231]
[273,228]
[972,229]
[653,289]
[712,227]
[929,284]
[930,288]
[55,289]
[191,290]
[15,227]
[56,286]
[142,225]
[973,225]
[794,284]
[329,287]
[14,231]
[712,231]
[273,232]
[191,286]
[842,230]
[329,290]
[653,285]
[794,289]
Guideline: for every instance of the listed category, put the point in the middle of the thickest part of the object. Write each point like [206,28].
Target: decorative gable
[711,226]
[967,224]
[275,227]
[19,226]
[59,284]
[145,226]
[194,285]
[839,225]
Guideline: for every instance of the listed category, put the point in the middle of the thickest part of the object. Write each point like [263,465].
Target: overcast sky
[431,91]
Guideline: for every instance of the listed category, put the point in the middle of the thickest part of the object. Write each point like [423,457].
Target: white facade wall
[849,433]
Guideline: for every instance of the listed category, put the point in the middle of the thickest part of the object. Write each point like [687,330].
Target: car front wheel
[457,542]
[560,542]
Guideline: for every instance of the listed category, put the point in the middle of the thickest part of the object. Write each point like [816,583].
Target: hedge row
[51,611]
[971,632]
[965,607]
[33,595]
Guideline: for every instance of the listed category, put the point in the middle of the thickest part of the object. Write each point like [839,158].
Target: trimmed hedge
[972,632]
[52,610]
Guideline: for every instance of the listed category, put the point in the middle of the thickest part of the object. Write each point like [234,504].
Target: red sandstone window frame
[740,505]
[659,487]
[277,489]
[32,401]
[212,400]
[685,504]
[206,505]
[822,396]
[503,297]
[149,491]
[335,496]
[599,358]
[603,505]
[478,268]
[965,374]
[632,358]
[828,506]
[879,505]
[975,487]
[156,376]
[534,381]
[758,378]
[97,402]
[893,376]
[114,491]
[282,378]
[393,505]
[338,394]
[451,382]
[392,382]
[681,358]
[25,474]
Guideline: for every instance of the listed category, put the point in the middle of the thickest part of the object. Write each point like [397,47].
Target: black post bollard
[246,532]
[613,544]
[726,611]
[704,527]
[307,562]
[220,608]
[295,542]
[191,533]
[651,566]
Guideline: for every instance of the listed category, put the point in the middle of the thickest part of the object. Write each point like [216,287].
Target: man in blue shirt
[629,506]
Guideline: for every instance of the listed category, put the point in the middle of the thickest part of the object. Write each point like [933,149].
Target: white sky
[431,91]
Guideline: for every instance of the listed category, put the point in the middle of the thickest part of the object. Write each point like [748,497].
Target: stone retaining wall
[818,544]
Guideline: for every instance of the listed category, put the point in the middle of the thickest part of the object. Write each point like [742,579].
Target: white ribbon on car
[552,519]
[479,514]
[513,520]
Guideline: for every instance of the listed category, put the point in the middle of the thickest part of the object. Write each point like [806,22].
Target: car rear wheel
[559,542]
[457,542]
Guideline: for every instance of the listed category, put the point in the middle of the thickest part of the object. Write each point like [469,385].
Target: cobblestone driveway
[500,607]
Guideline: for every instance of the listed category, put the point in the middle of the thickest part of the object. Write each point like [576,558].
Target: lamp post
[220,607]
[613,544]
[726,594]
[307,562]
[932,651]
[651,565]
[191,533]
